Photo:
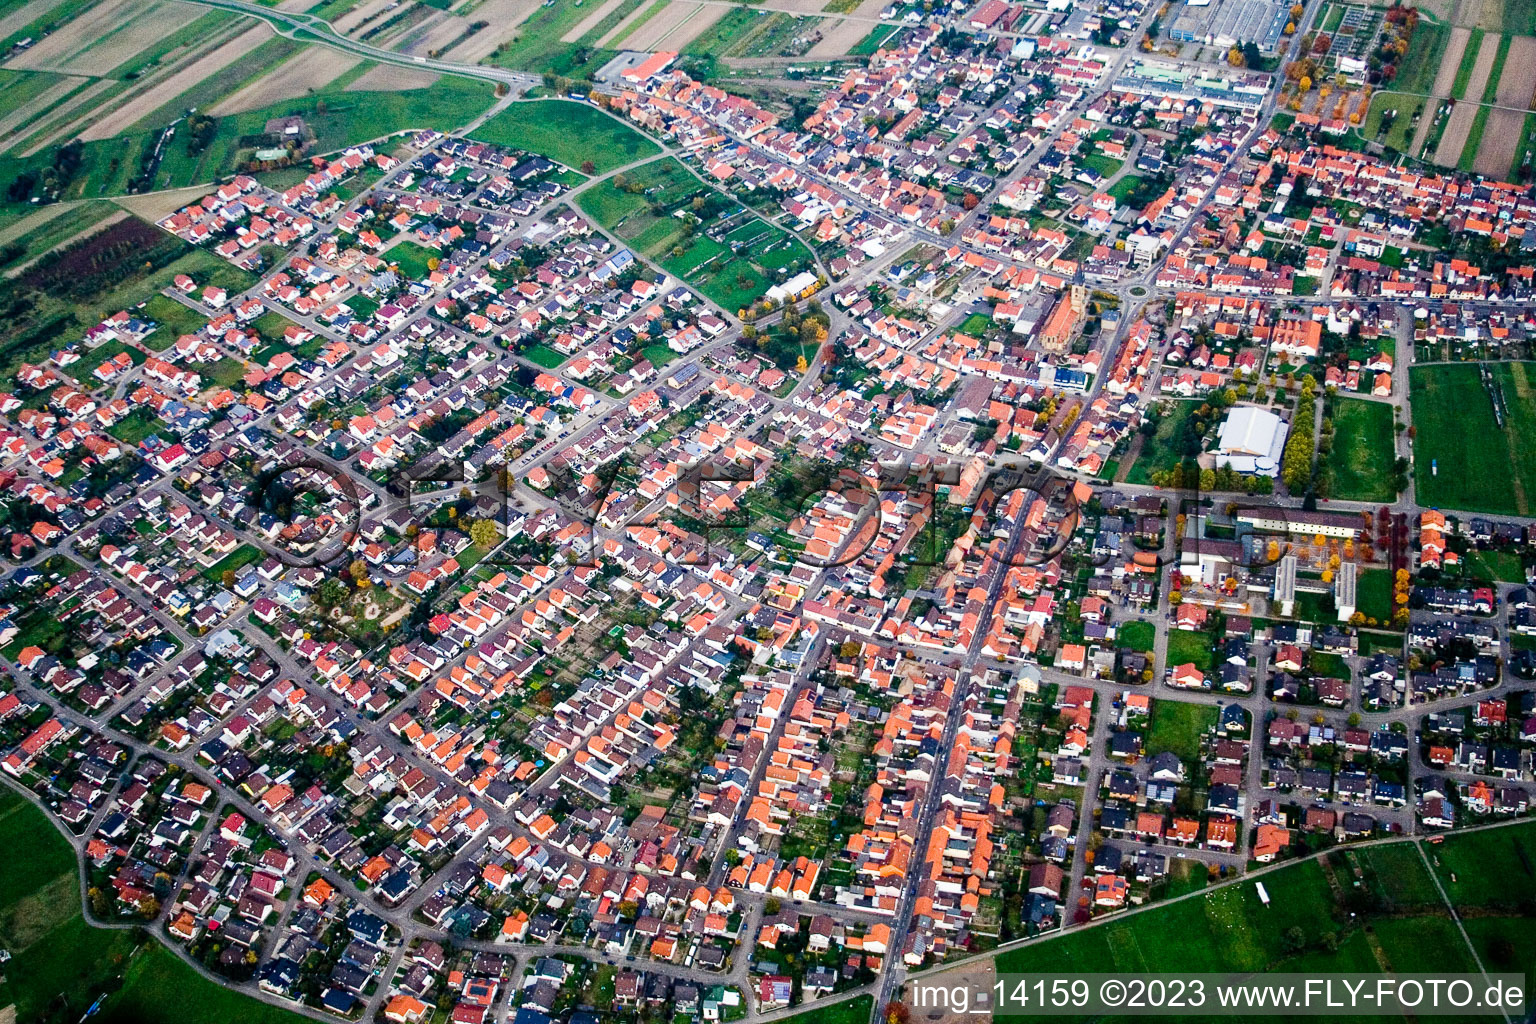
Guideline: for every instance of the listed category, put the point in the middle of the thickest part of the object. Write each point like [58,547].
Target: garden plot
[63,116]
[1445,80]
[645,12]
[433,35]
[363,12]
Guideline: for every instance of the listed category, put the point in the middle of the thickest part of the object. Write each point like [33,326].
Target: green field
[878,36]
[63,224]
[173,319]
[1468,62]
[1364,450]
[1177,726]
[1495,474]
[245,554]
[1186,648]
[1373,593]
[337,118]
[1493,566]
[849,1011]
[159,988]
[1364,909]
[414,260]
[1157,451]
[1416,71]
[60,964]
[1506,854]
[1137,634]
[544,356]
[568,132]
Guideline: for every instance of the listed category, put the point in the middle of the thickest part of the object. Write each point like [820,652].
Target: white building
[1251,440]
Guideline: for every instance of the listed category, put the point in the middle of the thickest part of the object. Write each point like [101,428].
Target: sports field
[1482,467]
[1363,454]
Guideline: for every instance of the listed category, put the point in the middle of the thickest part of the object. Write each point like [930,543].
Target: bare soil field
[308,69]
[623,26]
[105,36]
[590,22]
[1500,144]
[64,117]
[1517,78]
[677,26]
[389,78]
[432,35]
[152,206]
[839,37]
[47,98]
[295,5]
[1445,78]
[168,88]
[1459,126]
[504,16]
[25,15]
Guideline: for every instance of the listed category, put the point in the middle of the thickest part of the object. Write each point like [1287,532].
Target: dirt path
[1459,125]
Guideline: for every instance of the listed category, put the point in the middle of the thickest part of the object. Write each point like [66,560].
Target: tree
[484,534]
[331,592]
[228,579]
[587,167]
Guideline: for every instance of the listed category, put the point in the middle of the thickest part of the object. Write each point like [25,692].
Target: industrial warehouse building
[1228,23]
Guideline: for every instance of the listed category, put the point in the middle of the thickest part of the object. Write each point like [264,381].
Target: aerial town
[705,534]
